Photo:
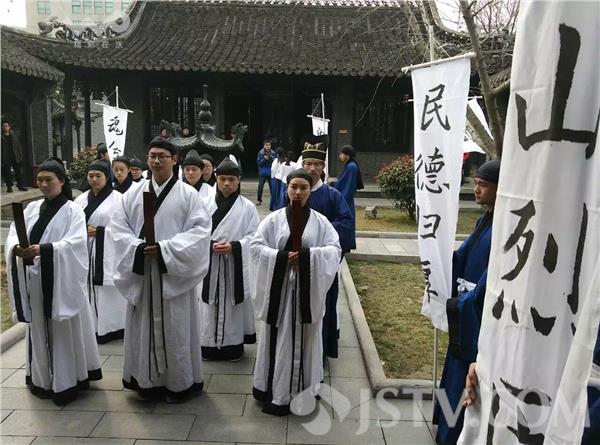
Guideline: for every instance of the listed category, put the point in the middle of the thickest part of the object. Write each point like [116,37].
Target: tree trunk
[486,88]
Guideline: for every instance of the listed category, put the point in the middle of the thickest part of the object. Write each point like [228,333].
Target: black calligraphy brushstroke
[570,43]
[522,257]
[498,307]
[533,396]
[494,411]
[434,226]
[523,432]
[573,328]
[525,213]
[541,324]
[551,254]
[513,313]
[573,297]
[435,109]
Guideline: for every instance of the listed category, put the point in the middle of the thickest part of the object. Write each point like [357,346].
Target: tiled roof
[17,60]
[236,37]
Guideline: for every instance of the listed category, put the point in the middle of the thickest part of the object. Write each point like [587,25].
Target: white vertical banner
[320,126]
[115,129]
[542,305]
[440,104]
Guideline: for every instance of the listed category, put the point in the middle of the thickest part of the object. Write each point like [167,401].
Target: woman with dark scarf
[136,168]
[123,178]
[48,290]
[99,205]
[208,173]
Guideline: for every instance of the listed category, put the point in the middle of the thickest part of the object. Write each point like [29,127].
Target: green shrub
[397,182]
[78,167]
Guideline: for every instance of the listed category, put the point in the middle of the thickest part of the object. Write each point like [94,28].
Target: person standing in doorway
[264,159]
[12,157]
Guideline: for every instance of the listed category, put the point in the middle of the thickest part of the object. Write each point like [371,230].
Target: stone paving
[224,412]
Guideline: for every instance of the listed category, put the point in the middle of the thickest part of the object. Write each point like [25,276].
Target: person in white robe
[99,204]
[162,356]
[193,166]
[289,292]
[50,294]
[227,314]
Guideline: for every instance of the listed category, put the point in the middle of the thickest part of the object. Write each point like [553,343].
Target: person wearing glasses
[162,353]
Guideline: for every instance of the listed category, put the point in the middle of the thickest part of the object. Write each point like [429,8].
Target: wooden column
[87,116]
[67,147]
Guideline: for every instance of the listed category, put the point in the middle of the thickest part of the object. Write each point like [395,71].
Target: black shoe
[8,189]
[23,189]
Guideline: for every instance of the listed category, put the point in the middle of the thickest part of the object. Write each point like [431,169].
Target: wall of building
[370,163]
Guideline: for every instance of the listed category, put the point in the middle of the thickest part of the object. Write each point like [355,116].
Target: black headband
[135,162]
[300,173]
[101,166]
[159,142]
[490,171]
[228,168]
[193,158]
[122,159]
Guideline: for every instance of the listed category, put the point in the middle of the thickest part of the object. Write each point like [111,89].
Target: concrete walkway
[224,412]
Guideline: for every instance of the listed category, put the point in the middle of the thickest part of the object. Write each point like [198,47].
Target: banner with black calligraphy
[440,106]
[115,128]
[542,306]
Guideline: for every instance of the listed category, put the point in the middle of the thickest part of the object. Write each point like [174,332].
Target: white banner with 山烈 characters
[440,103]
[115,129]
[542,304]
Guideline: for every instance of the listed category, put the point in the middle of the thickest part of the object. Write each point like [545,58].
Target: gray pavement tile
[50,423]
[16,379]
[21,398]
[322,429]
[144,426]
[348,338]
[111,381]
[356,391]
[413,433]
[206,404]
[427,409]
[111,401]
[111,348]
[250,350]
[14,357]
[176,442]
[349,364]
[81,441]
[113,363]
[239,429]
[244,366]
[387,409]
[231,384]
[6,373]
[16,440]
[343,313]
[253,408]
[4,413]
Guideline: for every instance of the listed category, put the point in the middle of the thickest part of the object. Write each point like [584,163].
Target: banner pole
[117,93]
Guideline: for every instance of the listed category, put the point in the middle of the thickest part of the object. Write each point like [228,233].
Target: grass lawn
[6,320]
[394,220]
[391,296]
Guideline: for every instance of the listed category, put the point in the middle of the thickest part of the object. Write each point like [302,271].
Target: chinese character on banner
[440,102]
[115,126]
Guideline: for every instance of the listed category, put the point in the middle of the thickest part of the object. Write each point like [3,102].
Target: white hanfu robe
[290,301]
[162,329]
[107,303]
[51,297]
[227,314]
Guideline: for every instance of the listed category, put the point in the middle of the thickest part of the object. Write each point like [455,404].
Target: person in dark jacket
[264,159]
[12,157]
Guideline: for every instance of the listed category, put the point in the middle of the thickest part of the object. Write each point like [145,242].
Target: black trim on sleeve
[238,272]
[206,281]
[138,261]
[162,267]
[276,286]
[98,275]
[304,279]
[47,269]
[16,288]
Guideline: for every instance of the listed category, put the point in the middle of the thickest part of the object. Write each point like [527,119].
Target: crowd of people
[181,270]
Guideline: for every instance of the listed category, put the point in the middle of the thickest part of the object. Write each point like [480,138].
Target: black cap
[209,158]
[193,158]
[101,148]
[55,165]
[314,152]
[122,159]
[101,166]
[159,142]
[135,162]
[228,168]
[300,173]
[348,150]
[490,171]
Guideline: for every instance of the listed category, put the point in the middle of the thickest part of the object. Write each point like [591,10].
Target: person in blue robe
[464,309]
[350,179]
[276,179]
[329,202]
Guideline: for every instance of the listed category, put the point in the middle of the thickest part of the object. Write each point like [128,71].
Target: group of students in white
[89,276]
